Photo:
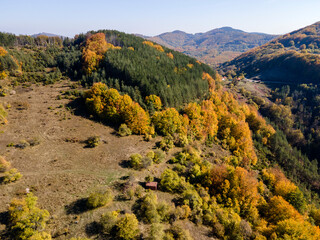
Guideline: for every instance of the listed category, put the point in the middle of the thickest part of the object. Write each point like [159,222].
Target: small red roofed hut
[152,185]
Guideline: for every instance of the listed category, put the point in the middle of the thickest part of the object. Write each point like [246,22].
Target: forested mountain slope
[121,138]
[292,58]
[215,46]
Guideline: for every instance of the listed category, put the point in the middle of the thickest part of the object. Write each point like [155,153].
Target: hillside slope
[210,168]
[291,58]
[215,46]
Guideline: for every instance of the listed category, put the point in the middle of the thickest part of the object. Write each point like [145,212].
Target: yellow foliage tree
[109,105]
[153,101]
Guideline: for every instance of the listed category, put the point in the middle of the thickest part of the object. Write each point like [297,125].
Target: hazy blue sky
[69,17]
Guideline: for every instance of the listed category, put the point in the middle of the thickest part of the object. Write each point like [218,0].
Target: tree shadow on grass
[4,220]
[77,207]
[2,181]
[124,164]
[93,228]
[78,108]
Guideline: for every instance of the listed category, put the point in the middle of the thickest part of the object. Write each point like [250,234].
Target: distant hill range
[215,46]
[293,57]
[47,34]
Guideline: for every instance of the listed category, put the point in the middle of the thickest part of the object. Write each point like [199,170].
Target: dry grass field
[59,169]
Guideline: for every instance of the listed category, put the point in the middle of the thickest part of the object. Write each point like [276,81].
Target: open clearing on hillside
[61,171]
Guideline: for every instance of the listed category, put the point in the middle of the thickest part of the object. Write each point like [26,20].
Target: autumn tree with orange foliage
[236,188]
[3,52]
[94,50]
[281,186]
[109,105]
[278,209]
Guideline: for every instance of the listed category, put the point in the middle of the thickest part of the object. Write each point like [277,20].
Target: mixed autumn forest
[88,123]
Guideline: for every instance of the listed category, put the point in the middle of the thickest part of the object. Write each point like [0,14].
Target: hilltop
[291,58]
[215,46]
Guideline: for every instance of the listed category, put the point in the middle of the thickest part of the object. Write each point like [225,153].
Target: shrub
[192,199]
[108,221]
[11,176]
[127,227]
[156,232]
[99,199]
[124,130]
[149,178]
[183,212]
[166,144]
[164,211]
[34,142]
[22,144]
[27,221]
[179,233]
[171,182]
[181,140]
[136,161]
[159,156]
[139,191]
[146,162]
[93,141]
[150,154]
[4,165]
[147,208]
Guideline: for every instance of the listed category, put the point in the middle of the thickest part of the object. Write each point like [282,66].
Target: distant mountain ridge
[293,57]
[215,46]
[47,34]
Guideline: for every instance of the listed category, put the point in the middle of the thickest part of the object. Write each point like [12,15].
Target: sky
[151,17]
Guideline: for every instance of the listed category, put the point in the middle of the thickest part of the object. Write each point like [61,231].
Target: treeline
[11,40]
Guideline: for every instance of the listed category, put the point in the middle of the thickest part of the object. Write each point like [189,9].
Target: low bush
[124,130]
[127,227]
[108,221]
[93,141]
[171,182]
[4,165]
[136,161]
[159,156]
[11,176]
[27,221]
[146,162]
[166,143]
[22,144]
[156,232]
[178,233]
[99,199]
[149,178]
